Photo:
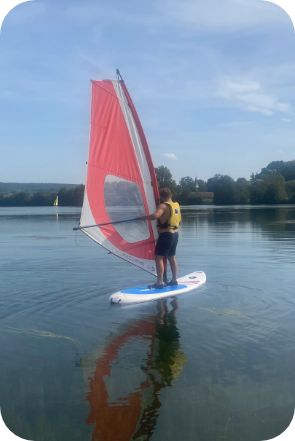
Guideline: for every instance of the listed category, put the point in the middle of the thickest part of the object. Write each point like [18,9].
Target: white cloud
[247,93]
[285,120]
[169,155]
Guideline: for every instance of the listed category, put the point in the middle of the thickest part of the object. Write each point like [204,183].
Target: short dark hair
[165,193]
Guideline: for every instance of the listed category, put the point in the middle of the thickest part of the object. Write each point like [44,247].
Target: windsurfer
[169,218]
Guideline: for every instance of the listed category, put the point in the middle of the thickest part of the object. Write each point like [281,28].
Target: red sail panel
[121,182]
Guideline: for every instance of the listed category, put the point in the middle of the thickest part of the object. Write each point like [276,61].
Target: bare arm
[158,213]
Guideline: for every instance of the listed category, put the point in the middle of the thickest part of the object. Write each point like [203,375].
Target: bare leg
[174,267]
[165,270]
[160,269]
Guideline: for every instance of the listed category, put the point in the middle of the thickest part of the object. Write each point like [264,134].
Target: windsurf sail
[56,202]
[121,182]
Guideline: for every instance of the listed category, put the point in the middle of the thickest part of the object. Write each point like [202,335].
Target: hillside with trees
[9,188]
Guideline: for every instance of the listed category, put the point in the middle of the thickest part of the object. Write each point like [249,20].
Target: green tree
[269,189]
[257,191]
[212,182]
[186,187]
[72,197]
[79,195]
[42,199]
[275,192]
[224,191]
[20,199]
[187,181]
[164,178]
[163,174]
[241,191]
[290,190]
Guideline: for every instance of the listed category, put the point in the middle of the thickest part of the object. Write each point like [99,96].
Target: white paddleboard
[144,294]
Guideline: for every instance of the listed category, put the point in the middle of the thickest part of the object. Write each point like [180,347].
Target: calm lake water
[216,365]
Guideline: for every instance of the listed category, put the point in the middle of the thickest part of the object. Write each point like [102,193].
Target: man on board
[169,218]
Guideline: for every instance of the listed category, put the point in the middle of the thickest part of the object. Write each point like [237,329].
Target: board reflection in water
[126,374]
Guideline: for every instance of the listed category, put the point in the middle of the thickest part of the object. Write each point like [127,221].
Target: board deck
[144,294]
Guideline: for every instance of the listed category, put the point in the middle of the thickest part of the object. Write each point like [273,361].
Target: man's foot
[172,283]
[156,286]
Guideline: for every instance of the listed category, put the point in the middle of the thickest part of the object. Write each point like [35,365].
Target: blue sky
[213,82]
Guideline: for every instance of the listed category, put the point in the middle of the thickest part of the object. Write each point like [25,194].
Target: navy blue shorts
[166,244]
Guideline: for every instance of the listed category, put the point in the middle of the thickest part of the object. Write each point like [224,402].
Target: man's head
[165,194]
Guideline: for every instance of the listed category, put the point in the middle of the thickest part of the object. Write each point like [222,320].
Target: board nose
[116,298]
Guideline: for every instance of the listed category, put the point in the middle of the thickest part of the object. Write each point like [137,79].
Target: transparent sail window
[123,201]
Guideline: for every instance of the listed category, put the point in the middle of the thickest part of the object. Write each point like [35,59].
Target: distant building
[196,182]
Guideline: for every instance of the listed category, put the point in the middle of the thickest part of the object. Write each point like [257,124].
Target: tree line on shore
[10,188]
[72,197]
[275,184]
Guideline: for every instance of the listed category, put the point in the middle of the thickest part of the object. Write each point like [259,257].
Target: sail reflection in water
[126,376]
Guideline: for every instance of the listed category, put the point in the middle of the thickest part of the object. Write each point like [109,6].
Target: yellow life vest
[174,218]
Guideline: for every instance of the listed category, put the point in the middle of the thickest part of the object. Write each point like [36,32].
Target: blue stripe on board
[145,290]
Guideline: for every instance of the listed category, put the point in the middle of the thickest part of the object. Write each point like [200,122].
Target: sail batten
[121,182]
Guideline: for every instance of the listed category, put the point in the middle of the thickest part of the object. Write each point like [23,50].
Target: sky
[213,83]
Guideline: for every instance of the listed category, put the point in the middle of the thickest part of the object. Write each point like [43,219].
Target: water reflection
[268,218]
[125,376]
[270,227]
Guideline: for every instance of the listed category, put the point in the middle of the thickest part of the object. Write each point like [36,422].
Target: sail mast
[119,76]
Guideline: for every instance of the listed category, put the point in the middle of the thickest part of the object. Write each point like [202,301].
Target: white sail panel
[138,148]
[98,236]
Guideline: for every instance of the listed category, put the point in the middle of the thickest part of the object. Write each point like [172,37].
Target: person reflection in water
[170,359]
[134,417]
